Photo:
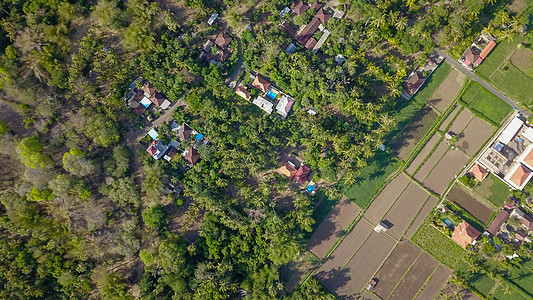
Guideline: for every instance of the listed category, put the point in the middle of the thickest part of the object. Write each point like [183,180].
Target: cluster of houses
[140,99]
[478,51]
[299,172]
[218,54]
[417,78]
[184,133]
[268,96]
[516,233]
[307,35]
[509,156]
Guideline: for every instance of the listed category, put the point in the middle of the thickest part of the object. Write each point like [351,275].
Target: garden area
[492,189]
[484,104]
[440,246]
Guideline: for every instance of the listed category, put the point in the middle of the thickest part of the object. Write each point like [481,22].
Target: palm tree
[401,24]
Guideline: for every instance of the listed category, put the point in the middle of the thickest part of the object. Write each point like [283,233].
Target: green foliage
[123,191]
[432,84]
[30,153]
[496,58]
[111,286]
[311,290]
[76,163]
[154,216]
[3,127]
[513,82]
[152,185]
[438,245]
[468,180]
[146,257]
[484,104]
[102,130]
[121,161]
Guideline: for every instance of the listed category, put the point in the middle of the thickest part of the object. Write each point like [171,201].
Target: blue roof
[199,136]
[310,188]
[153,134]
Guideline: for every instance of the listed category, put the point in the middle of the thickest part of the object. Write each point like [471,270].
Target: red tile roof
[302,173]
[529,158]
[471,54]
[261,83]
[152,150]
[465,234]
[487,49]
[478,172]
[192,156]
[222,40]
[414,83]
[308,31]
[520,176]
[287,170]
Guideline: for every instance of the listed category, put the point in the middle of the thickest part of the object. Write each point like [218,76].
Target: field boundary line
[405,273]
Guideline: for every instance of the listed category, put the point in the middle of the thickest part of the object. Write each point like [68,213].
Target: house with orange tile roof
[465,234]
[261,83]
[519,176]
[478,172]
[243,92]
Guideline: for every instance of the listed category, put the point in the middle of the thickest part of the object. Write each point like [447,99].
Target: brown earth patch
[386,198]
[523,60]
[474,136]
[416,277]
[392,271]
[461,121]
[431,161]
[332,227]
[424,212]
[330,271]
[366,295]
[449,118]
[294,271]
[406,141]
[13,119]
[445,171]
[447,91]
[435,283]
[422,154]
[405,209]
[474,207]
[363,265]
[517,6]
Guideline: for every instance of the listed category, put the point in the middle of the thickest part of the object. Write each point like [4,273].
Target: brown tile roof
[308,31]
[471,55]
[287,170]
[465,234]
[300,8]
[157,99]
[527,221]
[520,176]
[149,88]
[261,83]
[316,5]
[500,219]
[289,30]
[185,132]
[529,158]
[222,40]
[192,156]
[478,172]
[243,92]
[222,55]
[310,43]
[414,83]
[322,16]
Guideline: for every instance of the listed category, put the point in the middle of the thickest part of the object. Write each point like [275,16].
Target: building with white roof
[284,105]
[264,104]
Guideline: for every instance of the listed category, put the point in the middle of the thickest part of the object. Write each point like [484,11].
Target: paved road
[476,78]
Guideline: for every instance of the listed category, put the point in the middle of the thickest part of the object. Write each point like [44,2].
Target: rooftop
[465,234]
[223,39]
[478,172]
[500,219]
[264,104]
[261,83]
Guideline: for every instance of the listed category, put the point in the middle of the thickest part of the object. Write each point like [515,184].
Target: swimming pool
[447,222]
[271,94]
[310,188]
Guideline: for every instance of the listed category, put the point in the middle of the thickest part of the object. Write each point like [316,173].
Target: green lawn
[514,83]
[432,84]
[438,245]
[495,59]
[371,179]
[500,295]
[484,104]
[523,277]
[493,189]
[479,282]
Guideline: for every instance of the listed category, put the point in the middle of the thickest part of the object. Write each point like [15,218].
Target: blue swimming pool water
[271,95]
[310,188]
[447,222]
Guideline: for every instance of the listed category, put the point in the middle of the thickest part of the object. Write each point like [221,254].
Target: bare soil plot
[474,207]
[517,6]
[435,283]
[406,141]
[332,227]
[333,266]
[424,212]
[447,91]
[13,119]
[363,265]
[392,271]
[474,136]
[405,209]
[416,277]
[366,295]
[385,199]
[430,163]
[423,154]
[293,272]
[522,59]
[445,171]
[449,118]
[461,121]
